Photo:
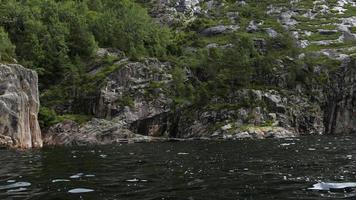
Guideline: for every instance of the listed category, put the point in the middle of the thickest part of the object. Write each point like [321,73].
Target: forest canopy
[51,36]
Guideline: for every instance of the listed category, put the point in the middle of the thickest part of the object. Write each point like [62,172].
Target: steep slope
[232,69]
[323,30]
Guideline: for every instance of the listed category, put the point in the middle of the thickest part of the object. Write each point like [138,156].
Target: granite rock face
[19,106]
[135,94]
[126,111]
[255,114]
[131,106]
[134,91]
[95,132]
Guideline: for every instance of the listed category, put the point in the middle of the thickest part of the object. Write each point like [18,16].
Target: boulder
[349,37]
[287,20]
[5,141]
[188,5]
[254,26]
[327,32]
[233,16]
[271,32]
[220,29]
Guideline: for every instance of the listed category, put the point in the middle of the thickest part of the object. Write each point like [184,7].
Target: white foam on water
[21,189]
[328,186]
[15,185]
[182,153]
[76,176]
[286,144]
[80,190]
[103,155]
[133,180]
[60,180]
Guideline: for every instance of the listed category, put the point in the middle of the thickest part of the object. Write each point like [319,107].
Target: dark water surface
[260,169]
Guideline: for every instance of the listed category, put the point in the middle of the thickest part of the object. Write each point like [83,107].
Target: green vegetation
[126,101]
[51,36]
[318,36]
[220,71]
[59,39]
[7,49]
[353,29]
[50,117]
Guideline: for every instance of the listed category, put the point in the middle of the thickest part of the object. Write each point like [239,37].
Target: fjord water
[192,170]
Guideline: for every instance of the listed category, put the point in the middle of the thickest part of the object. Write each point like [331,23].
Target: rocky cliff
[19,105]
[136,104]
[136,101]
[340,112]
[124,106]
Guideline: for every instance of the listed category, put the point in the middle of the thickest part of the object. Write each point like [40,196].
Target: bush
[47,117]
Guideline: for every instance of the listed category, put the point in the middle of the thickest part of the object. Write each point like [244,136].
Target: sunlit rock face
[19,106]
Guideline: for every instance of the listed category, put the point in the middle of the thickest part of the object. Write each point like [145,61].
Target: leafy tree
[7,49]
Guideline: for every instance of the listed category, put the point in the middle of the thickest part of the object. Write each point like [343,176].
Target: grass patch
[353,30]
[320,37]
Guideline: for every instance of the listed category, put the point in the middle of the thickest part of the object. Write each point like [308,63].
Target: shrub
[47,117]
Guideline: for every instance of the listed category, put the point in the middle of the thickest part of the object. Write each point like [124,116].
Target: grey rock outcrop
[254,26]
[172,12]
[134,92]
[257,113]
[286,19]
[245,113]
[271,32]
[131,106]
[95,132]
[19,106]
[220,29]
[135,96]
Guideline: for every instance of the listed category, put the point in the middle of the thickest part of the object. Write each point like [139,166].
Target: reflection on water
[304,168]
[15,185]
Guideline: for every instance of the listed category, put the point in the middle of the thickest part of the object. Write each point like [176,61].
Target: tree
[7,49]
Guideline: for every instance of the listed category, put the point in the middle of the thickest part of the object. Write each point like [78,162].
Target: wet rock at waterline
[95,132]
